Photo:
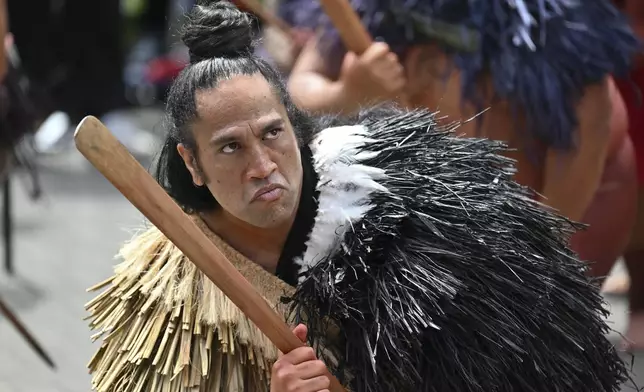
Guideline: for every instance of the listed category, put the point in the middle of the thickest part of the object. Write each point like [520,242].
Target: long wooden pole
[268,17]
[113,160]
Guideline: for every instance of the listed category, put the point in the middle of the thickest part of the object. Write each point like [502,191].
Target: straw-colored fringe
[167,328]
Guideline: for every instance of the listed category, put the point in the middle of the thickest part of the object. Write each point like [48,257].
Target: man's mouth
[268,193]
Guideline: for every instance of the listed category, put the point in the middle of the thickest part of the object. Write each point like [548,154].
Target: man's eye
[230,148]
[273,133]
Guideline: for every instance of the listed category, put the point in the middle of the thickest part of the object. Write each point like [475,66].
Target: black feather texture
[456,280]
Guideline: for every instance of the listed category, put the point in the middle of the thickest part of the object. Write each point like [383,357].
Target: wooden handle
[113,160]
[255,7]
[346,21]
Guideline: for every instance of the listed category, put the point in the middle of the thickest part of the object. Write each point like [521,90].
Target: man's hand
[375,76]
[300,370]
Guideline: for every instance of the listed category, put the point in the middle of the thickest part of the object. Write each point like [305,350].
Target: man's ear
[191,164]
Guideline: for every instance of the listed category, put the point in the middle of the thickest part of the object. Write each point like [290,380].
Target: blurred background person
[73,48]
[549,89]
[631,281]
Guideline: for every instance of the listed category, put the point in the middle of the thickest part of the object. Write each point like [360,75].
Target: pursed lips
[266,190]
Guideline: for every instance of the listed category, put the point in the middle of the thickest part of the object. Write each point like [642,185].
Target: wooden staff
[24,332]
[268,17]
[113,160]
[353,33]
[346,21]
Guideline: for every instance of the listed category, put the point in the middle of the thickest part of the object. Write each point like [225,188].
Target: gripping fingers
[311,369]
[300,355]
[377,51]
[392,58]
[319,383]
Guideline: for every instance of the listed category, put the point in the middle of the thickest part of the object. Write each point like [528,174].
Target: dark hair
[220,41]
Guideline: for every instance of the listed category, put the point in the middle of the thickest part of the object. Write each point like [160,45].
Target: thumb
[349,59]
[301,331]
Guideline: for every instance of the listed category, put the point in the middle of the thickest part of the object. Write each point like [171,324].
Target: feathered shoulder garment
[440,271]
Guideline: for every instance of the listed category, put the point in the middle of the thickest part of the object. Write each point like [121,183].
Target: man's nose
[261,164]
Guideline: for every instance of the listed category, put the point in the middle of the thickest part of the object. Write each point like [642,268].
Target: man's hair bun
[218,29]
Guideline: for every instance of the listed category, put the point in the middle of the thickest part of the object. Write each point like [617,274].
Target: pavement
[66,242]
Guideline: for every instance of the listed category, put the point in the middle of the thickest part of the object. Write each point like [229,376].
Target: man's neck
[262,246]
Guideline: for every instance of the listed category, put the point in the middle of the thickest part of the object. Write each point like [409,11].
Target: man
[410,256]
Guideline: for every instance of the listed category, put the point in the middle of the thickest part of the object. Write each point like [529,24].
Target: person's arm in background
[374,77]
[571,178]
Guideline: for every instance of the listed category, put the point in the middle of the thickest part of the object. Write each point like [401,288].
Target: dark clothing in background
[154,19]
[73,48]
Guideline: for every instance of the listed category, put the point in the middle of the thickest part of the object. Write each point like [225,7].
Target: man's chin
[268,221]
[266,225]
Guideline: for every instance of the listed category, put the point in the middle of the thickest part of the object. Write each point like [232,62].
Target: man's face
[248,154]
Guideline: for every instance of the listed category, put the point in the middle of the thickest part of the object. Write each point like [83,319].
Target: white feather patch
[345,185]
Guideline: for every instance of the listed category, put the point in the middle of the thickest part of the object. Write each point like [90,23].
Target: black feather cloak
[440,271]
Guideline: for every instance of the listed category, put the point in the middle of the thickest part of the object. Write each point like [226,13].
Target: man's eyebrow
[223,138]
[227,136]
[276,123]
